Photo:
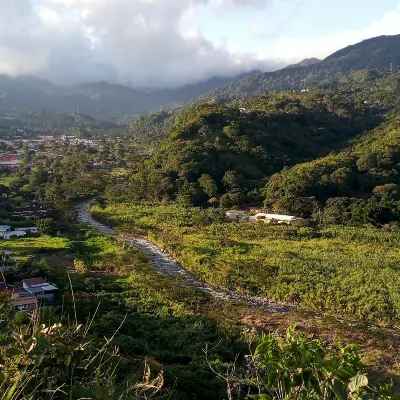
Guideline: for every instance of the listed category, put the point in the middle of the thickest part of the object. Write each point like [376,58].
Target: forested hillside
[151,128]
[217,153]
[374,53]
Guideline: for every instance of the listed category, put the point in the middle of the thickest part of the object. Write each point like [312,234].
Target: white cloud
[295,49]
[129,41]
[143,42]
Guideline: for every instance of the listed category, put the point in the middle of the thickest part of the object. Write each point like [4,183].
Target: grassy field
[344,279]
[339,270]
[22,247]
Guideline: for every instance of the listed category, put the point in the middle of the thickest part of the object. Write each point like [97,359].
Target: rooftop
[279,217]
[34,281]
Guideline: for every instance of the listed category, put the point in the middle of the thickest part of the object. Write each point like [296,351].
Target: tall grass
[45,358]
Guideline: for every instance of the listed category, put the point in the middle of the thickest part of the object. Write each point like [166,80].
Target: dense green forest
[225,154]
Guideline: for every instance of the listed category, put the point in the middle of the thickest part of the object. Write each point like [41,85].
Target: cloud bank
[145,43]
[136,42]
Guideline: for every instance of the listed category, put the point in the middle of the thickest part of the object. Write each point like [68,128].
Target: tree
[38,177]
[208,185]
[46,226]
[205,131]
[43,359]
[336,210]
[5,259]
[80,266]
[388,192]
[297,206]
[232,181]
[80,132]
[226,201]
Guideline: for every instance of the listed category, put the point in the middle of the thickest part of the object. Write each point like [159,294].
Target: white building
[11,234]
[31,229]
[281,219]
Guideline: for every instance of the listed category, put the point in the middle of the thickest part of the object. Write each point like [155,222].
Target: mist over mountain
[98,99]
[111,101]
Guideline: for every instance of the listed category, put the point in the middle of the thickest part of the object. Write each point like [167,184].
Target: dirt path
[168,266]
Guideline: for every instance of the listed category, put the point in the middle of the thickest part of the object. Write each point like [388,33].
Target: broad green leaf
[339,389]
[68,360]
[13,351]
[306,377]
[39,360]
[287,384]
[297,380]
[272,377]
[315,385]
[7,341]
[357,382]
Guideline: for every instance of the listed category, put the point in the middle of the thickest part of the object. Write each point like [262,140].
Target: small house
[40,288]
[280,219]
[19,298]
[4,229]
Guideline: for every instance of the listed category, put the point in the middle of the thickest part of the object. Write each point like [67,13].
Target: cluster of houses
[34,210]
[33,293]
[72,140]
[44,146]
[258,215]
[10,161]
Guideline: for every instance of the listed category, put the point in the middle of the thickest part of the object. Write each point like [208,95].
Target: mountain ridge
[99,99]
[374,53]
[122,103]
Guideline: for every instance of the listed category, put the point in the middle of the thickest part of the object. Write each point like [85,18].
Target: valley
[233,239]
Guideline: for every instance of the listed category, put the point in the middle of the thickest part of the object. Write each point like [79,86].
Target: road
[165,264]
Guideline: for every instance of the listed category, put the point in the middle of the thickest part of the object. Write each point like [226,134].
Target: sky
[170,43]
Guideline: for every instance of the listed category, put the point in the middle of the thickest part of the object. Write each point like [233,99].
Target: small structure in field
[280,219]
[236,215]
[40,288]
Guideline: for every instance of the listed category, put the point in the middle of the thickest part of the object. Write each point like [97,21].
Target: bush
[295,367]
[40,362]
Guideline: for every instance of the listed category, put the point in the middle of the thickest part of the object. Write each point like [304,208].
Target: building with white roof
[281,219]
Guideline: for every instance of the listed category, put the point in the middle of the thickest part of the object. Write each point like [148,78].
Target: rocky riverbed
[168,266]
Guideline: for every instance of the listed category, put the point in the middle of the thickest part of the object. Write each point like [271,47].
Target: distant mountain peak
[305,63]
